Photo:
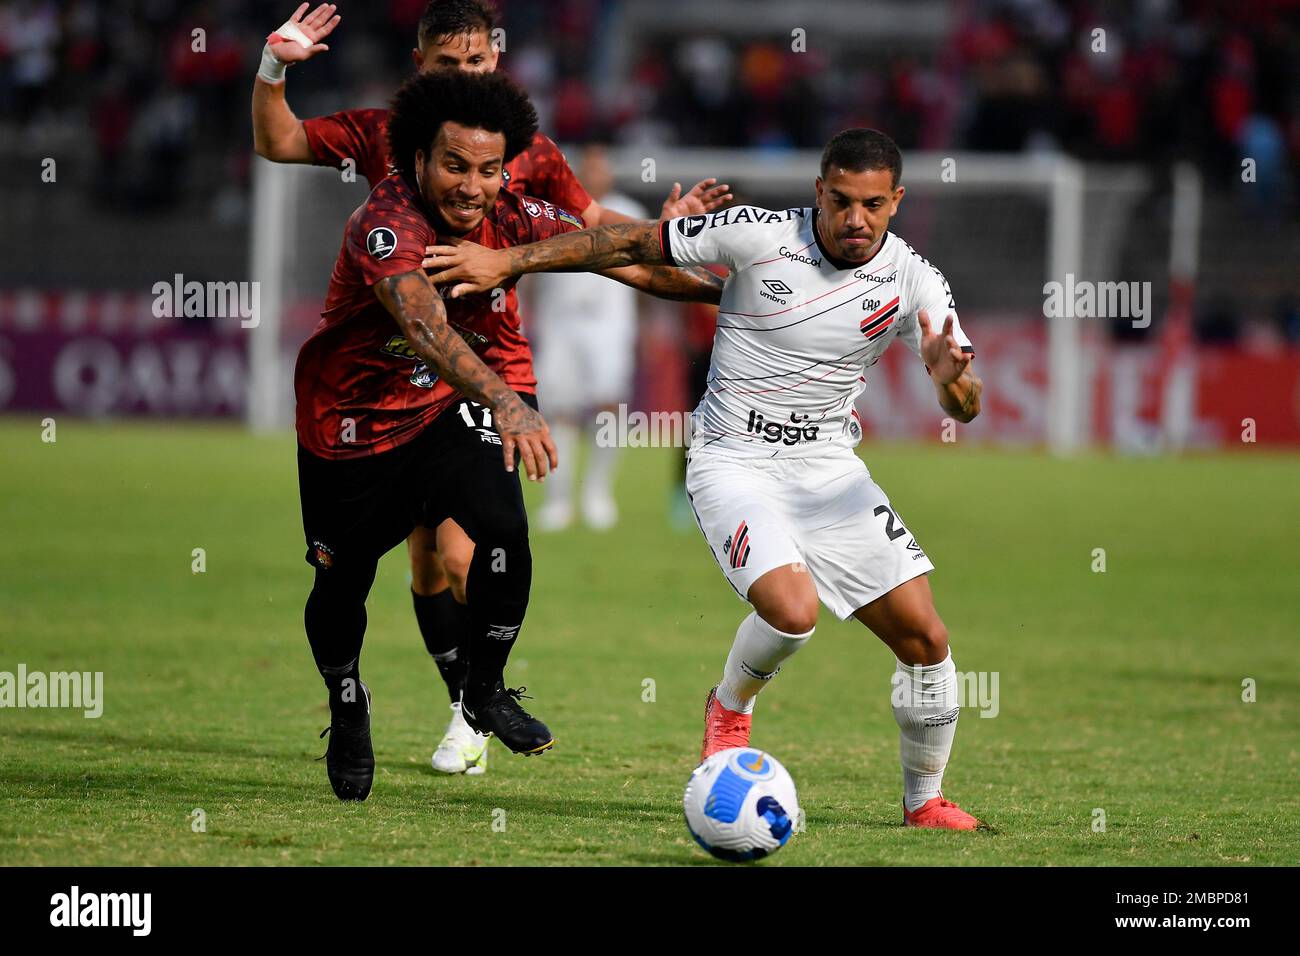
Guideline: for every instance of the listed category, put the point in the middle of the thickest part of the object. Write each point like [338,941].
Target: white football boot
[599,510]
[461,749]
[554,515]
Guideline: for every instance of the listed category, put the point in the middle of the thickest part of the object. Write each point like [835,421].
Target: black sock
[347,699]
[335,619]
[497,588]
[443,625]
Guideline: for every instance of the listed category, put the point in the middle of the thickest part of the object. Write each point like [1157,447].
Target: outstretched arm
[687,284]
[278,134]
[959,389]
[628,252]
[419,311]
[475,269]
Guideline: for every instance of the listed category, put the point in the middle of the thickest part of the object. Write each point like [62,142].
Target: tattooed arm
[686,284]
[474,269]
[419,311]
[961,399]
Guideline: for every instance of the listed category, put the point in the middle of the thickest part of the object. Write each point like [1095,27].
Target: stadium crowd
[1166,78]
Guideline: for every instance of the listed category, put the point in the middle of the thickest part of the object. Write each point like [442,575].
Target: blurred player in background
[452,34]
[792,515]
[585,333]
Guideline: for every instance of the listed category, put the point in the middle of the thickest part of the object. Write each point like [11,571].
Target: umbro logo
[776,291]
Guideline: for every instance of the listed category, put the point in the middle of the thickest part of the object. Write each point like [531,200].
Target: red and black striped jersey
[360,388]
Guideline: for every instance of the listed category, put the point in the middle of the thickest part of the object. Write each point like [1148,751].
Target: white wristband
[272,70]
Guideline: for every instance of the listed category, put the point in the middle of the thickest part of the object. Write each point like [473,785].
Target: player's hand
[704,197]
[940,352]
[473,268]
[316,26]
[524,430]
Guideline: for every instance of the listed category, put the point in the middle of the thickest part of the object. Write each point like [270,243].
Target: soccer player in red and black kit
[453,34]
[404,425]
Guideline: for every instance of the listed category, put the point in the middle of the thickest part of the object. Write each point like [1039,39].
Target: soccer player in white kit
[584,336]
[791,513]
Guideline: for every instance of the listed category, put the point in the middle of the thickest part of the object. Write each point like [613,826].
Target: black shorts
[357,509]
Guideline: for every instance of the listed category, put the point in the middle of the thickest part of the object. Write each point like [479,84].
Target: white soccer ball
[741,804]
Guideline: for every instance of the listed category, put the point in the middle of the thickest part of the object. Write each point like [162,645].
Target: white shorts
[761,513]
[585,364]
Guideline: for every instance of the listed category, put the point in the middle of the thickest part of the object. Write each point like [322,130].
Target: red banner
[107,354]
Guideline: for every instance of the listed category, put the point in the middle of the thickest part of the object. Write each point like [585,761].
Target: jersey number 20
[893,527]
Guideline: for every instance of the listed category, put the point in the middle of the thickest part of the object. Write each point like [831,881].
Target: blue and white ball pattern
[741,805]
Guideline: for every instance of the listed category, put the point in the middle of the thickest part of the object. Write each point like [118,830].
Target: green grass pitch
[1119,691]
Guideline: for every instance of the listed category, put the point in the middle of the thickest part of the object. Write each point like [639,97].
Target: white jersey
[798,328]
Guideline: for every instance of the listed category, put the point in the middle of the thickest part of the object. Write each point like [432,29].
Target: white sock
[755,657]
[924,698]
[599,479]
[559,483]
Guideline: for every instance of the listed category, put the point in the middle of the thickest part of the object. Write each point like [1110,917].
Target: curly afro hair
[490,101]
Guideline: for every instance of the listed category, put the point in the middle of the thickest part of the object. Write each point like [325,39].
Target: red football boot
[723,728]
[940,814]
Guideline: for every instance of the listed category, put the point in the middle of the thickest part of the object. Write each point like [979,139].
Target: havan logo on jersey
[881,318]
[752,215]
[791,433]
